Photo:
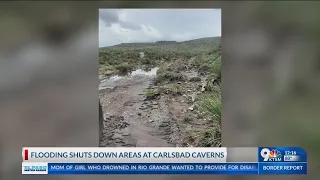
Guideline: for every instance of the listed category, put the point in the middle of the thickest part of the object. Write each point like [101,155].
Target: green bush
[209,137]
[211,106]
[216,68]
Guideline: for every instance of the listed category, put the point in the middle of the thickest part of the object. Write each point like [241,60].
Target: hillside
[197,44]
[164,50]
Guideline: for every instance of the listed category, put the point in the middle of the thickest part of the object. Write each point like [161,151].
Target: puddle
[152,72]
[110,82]
[112,78]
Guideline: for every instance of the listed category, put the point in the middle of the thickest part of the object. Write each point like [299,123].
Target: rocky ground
[133,120]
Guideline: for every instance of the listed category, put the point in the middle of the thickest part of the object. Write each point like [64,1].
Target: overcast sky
[149,25]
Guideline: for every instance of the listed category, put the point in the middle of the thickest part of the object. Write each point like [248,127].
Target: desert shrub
[187,118]
[209,137]
[169,76]
[205,67]
[162,73]
[216,68]
[151,94]
[124,67]
[176,90]
[211,106]
[107,68]
[213,83]
[146,61]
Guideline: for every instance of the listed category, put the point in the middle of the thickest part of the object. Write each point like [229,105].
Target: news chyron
[171,160]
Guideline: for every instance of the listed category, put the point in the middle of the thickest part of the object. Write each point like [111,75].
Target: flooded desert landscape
[162,93]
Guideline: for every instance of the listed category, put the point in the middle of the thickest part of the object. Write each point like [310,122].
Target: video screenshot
[159,89]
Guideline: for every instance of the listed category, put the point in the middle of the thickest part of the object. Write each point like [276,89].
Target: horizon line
[160,41]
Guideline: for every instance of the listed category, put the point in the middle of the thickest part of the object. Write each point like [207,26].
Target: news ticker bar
[164,168]
[163,154]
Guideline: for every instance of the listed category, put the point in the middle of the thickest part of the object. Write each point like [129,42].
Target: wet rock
[203,88]
[191,108]
[118,131]
[122,125]
[117,136]
[164,124]
[193,97]
[143,108]
[119,141]
[126,134]
[195,79]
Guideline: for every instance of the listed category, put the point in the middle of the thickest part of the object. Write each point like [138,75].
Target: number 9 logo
[265,153]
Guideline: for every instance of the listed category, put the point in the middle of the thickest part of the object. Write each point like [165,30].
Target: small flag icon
[26,153]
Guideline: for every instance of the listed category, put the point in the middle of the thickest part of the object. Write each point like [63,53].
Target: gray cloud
[129,25]
[111,16]
[150,25]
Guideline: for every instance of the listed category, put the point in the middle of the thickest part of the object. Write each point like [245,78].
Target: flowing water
[112,81]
